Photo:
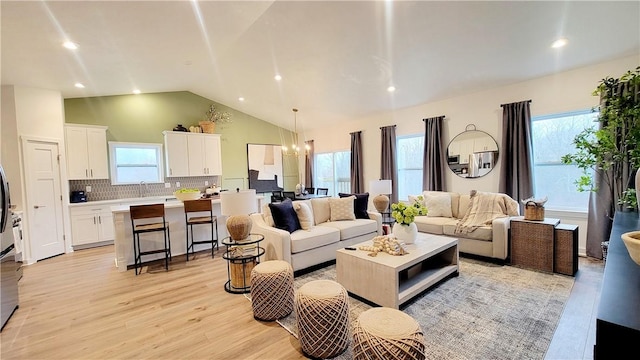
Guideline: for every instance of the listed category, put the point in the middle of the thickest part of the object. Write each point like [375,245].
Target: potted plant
[405,228]
[611,151]
[213,117]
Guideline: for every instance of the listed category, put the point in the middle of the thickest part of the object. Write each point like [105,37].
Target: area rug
[489,311]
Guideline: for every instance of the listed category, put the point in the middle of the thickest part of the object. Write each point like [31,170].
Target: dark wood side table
[532,243]
[565,260]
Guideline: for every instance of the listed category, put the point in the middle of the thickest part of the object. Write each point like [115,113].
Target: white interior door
[44,199]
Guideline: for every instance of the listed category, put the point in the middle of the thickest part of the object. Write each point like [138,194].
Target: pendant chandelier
[294,149]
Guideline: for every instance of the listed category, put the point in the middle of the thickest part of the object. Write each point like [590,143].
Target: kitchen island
[174,214]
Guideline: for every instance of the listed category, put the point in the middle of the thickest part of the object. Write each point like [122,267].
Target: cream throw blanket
[484,208]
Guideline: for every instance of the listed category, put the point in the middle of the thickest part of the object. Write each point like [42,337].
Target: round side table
[241,258]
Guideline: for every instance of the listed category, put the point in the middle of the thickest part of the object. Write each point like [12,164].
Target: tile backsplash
[103,190]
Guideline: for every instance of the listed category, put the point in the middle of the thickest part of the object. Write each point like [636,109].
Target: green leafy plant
[629,199]
[405,214]
[612,150]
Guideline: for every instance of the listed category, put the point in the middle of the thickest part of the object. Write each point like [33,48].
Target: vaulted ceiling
[336,58]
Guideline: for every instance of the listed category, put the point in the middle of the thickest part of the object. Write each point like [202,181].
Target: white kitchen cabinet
[91,224]
[193,154]
[466,148]
[484,144]
[176,153]
[86,148]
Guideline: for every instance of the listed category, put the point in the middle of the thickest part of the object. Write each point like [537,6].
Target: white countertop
[172,204]
[131,201]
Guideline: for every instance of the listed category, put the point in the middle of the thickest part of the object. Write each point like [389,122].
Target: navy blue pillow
[284,216]
[360,204]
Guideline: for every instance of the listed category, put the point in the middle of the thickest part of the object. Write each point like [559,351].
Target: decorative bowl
[632,242]
[183,196]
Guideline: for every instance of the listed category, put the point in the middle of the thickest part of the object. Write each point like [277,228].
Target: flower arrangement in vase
[405,229]
[213,117]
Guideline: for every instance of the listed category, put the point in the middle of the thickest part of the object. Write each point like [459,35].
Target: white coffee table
[389,280]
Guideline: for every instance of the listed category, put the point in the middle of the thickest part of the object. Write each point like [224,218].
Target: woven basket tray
[533,212]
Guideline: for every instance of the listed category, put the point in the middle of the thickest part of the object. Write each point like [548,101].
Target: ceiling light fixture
[136,91]
[278,77]
[70,45]
[79,85]
[240,99]
[559,43]
[391,88]
[295,148]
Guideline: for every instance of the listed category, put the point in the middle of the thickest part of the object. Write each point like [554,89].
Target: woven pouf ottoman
[272,290]
[322,309]
[385,333]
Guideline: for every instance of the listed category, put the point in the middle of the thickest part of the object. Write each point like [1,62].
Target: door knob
[38,206]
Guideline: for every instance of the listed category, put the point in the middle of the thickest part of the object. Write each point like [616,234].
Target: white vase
[405,233]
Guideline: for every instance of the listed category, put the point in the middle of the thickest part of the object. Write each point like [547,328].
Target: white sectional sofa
[319,242]
[487,238]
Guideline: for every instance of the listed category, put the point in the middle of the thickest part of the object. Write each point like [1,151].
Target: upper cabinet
[192,154]
[86,147]
[176,153]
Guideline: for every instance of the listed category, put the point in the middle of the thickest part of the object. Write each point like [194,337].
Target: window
[552,138]
[410,156]
[333,171]
[132,163]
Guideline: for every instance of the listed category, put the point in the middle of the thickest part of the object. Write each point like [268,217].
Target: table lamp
[237,205]
[380,188]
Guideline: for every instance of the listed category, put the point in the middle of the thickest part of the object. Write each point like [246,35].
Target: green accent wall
[142,118]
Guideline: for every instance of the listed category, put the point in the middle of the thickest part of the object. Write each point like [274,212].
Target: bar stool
[144,213]
[202,205]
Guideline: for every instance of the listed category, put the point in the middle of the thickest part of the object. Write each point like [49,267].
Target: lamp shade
[377,187]
[239,202]
[237,205]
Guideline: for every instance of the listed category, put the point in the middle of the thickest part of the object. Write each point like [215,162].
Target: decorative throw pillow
[284,216]
[438,205]
[360,204]
[305,216]
[321,210]
[342,208]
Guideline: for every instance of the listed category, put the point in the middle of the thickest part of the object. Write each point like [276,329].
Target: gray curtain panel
[516,173]
[388,164]
[308,165]
[434,163]
[357,175]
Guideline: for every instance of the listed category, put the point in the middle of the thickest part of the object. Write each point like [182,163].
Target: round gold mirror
[472,153]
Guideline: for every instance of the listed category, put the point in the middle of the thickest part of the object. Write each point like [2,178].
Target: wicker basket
[533,212]
[208,127]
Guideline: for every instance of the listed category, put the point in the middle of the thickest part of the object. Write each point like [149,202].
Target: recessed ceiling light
[278,77]
[241,99]
[136,91]
[391,88]
[79,85]
[559,43]
[70,45]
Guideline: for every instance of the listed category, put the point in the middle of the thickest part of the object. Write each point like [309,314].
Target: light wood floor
[78,306]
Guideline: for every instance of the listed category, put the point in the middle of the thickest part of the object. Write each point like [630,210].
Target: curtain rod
[382,127]
[442,116]
[503,105]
